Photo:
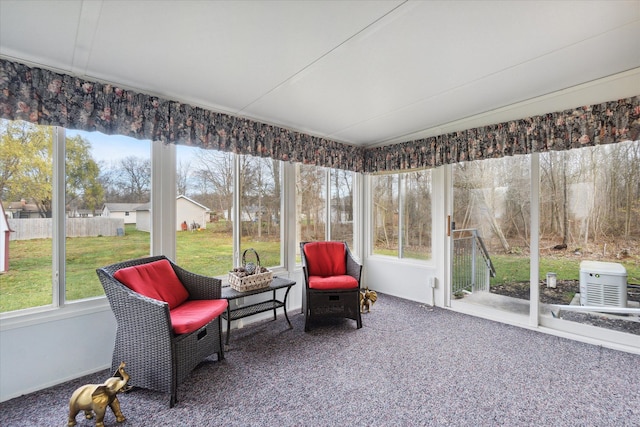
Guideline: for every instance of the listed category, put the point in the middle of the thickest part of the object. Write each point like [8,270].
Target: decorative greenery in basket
[251,275]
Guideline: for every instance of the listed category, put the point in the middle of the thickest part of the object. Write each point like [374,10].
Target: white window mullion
[163,199]
[58,217]
[237,225]
[401,220]
[289,218]
[368,236]
[359,219]
[327,204]
[534,297]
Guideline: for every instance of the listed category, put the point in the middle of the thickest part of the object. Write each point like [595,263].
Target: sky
[110,148]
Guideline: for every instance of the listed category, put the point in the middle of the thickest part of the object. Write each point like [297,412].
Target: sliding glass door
[577,258]
[490,232]
[589,240]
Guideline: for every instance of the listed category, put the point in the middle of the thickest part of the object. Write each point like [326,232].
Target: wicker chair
[157,357]
[332,281]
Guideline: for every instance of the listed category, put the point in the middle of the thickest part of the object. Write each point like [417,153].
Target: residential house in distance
[22,209]
[82,213]
[187,211]
[126,211]
[192,212]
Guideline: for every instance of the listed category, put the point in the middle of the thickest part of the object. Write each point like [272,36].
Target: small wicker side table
[249,310]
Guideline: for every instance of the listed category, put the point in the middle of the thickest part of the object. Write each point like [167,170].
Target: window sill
[39,315]
[405,261]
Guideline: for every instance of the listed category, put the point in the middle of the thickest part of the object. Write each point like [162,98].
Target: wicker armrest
[199,287]
[353,267]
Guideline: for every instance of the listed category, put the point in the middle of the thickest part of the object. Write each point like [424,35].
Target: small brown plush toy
[367,298]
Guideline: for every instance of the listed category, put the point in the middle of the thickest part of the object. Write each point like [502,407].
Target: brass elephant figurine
[96,397]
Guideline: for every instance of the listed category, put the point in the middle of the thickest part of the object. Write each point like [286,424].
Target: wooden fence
[41,228]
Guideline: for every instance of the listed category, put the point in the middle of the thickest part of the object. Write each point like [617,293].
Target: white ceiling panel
[555,71]
[40,31]
[225,54]
[419,53]
[361,72]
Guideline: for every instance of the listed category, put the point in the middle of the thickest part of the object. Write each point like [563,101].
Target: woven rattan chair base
[332,303]
[156,358]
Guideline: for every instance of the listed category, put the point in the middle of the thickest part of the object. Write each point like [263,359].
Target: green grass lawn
[28,283]
[513,268]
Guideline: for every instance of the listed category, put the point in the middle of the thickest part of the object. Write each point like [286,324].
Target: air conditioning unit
[603,284]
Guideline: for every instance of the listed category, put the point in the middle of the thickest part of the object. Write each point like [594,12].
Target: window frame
[162,235]
[401,181]
[358,220]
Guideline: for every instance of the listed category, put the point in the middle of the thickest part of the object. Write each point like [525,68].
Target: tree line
[587,195]
[207,177]
[26,171]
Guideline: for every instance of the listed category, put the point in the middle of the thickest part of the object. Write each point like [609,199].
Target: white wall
[51,347]
[399,278]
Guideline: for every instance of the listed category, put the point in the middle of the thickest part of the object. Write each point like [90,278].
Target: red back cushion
[155,280]
[326,258]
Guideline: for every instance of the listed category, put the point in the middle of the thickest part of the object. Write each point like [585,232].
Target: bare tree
[215,171]
[341,205]
[417,209]
[131,180]
[385,202]
[182,177]
[310,190]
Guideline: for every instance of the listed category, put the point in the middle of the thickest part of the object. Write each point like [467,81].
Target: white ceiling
[360,72]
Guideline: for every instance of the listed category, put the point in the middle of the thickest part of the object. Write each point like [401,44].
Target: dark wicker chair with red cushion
[168,320]
[332,281]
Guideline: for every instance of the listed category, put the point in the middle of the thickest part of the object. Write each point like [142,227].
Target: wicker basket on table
[250,276]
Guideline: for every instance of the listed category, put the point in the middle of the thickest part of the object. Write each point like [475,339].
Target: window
[71,227]
[401,213]
[416,215]
[101,209]
[590,211]
[386,210]
[311,203]
[204,210]
[26,192]
[260,206]
[206,213]
[341,224]
[324,205]
[104,170]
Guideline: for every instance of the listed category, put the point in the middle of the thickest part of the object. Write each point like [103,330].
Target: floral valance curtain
[605,123]
[47,98]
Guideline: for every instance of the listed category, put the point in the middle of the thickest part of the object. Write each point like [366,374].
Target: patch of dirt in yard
[563,294]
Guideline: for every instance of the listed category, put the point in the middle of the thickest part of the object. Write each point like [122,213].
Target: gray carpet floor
[409,365]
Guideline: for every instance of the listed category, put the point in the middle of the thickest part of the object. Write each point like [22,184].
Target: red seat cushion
[155,280]
[194,314]
[332,282]
[326,258]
